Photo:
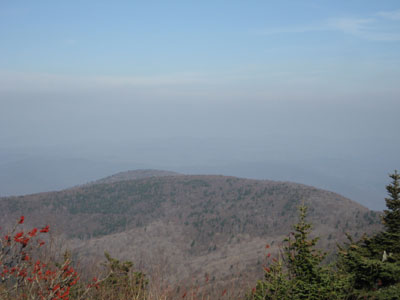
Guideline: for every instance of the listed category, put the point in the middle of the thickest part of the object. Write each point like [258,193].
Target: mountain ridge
[133,175]
[195,224]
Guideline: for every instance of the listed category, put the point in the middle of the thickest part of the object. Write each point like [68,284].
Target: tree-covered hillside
[367,268]
[197,223]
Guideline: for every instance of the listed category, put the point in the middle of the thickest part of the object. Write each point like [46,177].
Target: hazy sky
[302,78]
[285,48]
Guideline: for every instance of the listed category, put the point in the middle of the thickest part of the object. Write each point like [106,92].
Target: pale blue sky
[229,40]
[283,81]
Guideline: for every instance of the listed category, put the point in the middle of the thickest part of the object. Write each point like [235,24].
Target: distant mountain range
[132,175]
[27,171]
[186,226]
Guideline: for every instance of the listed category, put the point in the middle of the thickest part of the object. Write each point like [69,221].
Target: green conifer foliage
[303,259]
[372,264]
[298,273]
[391,218]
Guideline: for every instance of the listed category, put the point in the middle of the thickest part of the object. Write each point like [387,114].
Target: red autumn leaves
[18,267]
[23,238]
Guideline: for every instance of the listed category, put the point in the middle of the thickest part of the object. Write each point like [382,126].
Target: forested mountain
[134,174]
[187,226]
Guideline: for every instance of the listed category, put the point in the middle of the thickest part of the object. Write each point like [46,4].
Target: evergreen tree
[298,273]
[372,264]
[391,218]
